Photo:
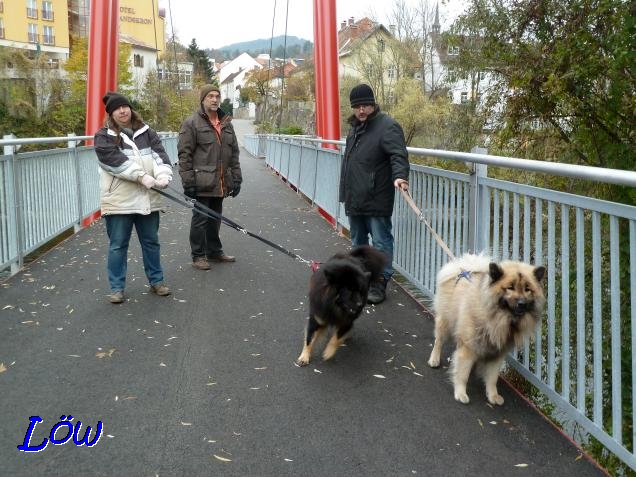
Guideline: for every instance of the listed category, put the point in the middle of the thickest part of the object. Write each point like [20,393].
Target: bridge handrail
[574,171]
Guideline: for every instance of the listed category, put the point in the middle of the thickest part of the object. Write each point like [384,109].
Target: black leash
[190,203]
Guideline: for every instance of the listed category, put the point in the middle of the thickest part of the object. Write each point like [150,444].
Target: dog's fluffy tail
[371,259]
[466,263]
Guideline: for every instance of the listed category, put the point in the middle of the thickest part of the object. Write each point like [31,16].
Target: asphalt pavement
[203,383]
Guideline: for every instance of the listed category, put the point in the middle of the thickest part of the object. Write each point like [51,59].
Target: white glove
[162,183]
[147,181]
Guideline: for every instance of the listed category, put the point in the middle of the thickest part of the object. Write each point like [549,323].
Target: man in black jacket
[375,164]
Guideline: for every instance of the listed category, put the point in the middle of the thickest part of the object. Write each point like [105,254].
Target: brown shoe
[160,289]
[117,297]
[223,258]
[201,263]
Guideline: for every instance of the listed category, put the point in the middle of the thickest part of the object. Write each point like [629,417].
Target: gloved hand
[162,183]
[190,191]
[234,192]
[147,181]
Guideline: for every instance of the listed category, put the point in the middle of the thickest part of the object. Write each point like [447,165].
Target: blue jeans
[380,229]
[119,229]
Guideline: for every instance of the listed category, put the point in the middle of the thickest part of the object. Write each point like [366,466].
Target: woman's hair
[135,119]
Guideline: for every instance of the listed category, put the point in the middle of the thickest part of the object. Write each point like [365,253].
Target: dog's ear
[539,273]
[496,272]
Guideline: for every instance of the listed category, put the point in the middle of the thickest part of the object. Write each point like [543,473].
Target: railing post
[476,220]
[12,150]
[78,181]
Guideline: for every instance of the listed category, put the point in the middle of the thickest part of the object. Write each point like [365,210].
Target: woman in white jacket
[132,161]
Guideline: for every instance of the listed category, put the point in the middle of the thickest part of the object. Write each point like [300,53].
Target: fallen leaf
[73,355]
[578,457]
[9,307]
[106,354]
[162,364]
[481,424]
[3,368]
[521,465]
[222,459]
[186,423]
[379,376]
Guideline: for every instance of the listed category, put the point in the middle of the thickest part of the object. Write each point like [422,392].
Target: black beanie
[205,90]
[361,94]
[112,101]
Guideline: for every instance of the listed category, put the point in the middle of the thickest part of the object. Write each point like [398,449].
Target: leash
[195,205]
[420,217]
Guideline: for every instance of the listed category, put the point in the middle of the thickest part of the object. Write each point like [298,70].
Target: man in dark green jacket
[375,165]
[210,171]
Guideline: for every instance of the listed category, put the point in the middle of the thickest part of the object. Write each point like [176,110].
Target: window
[33,33]
[32,9]
[138,61]
[47,11]
[464,97]
[53,63]
[1,6]
[49,37]
[185,79]
[1,28]
[391,72]
[453,50]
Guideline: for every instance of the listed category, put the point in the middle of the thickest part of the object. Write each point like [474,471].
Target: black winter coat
[375,155]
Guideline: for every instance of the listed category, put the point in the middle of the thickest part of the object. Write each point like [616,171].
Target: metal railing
[583,356]
[44,193]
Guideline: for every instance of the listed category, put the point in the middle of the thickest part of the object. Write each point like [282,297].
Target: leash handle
[420,217]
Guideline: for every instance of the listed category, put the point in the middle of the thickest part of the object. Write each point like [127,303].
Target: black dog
[337,294]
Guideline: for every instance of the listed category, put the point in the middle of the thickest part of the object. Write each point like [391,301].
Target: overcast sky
[215,24]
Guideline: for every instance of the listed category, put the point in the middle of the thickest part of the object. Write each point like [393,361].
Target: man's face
[212,100]
[362,111]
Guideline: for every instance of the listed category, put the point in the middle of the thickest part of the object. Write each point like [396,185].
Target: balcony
[48,40]
[32,13]
[48,15]
[34,38]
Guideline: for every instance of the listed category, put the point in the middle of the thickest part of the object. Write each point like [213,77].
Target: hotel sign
[127,14]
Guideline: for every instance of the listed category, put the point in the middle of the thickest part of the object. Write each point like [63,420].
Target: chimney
[392,29]
[351,21]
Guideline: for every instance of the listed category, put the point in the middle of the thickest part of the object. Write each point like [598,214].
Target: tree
[202,64]
[563,72]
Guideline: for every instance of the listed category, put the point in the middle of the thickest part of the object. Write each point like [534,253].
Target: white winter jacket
[121,165]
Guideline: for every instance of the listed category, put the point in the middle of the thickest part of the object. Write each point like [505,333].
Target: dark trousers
[204,231]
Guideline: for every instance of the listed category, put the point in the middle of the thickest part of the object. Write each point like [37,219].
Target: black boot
[377,292]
